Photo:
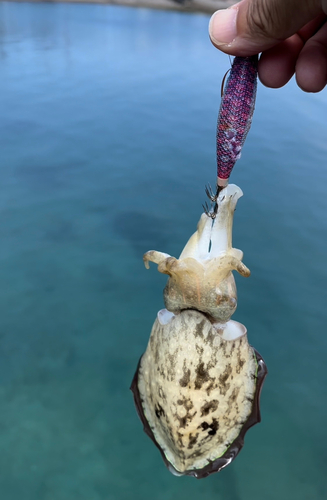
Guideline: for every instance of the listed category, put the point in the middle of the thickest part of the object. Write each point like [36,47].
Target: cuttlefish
[197,386]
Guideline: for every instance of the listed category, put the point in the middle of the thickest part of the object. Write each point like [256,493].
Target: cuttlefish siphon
[198,384]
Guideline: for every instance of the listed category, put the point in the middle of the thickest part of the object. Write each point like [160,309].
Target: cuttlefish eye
[198,384]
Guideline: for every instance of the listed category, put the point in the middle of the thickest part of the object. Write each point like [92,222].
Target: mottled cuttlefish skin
[196,388]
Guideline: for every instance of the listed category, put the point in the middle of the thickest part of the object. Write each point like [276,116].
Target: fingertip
[222,27]
[227,32]
[311,68]
[277,65]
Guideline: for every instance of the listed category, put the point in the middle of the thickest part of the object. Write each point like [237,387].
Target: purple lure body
[235,114]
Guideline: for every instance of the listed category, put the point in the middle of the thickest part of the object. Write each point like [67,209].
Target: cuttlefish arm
[198,245]
[222,265]
[202,276]
[210,245]
[154,256]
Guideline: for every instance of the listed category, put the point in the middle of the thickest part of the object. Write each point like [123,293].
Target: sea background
[107,139]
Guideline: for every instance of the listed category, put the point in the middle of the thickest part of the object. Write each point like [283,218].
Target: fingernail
[222,26]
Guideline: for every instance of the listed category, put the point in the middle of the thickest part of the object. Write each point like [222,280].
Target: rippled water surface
[107,138]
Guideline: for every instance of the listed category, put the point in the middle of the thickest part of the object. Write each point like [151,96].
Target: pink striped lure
[235,115]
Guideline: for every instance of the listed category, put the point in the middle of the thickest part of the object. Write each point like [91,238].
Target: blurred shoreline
[205,6]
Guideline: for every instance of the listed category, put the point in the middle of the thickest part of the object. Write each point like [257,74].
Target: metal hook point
[208,211]
[209,192]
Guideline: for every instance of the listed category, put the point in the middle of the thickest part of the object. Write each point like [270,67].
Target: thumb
[252,26]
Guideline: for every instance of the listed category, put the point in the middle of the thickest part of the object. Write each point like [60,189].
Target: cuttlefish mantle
[197,386]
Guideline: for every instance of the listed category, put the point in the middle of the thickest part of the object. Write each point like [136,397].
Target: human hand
[291,34]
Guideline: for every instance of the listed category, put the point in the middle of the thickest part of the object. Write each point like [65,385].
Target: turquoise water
[107,139]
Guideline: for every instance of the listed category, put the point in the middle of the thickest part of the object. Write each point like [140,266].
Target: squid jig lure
[234,119]
[197,386]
